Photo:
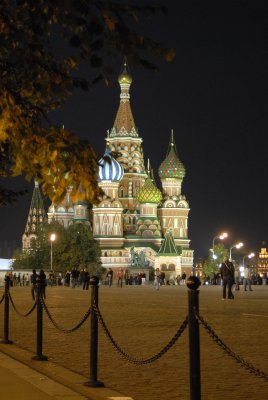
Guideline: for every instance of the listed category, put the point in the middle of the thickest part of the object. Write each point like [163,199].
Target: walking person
[157,278]
[42,283]
[237,277]
[183,278]
[27,279]
[85,278]
[120,275]
[33,279]
[227,274]
[247,278]
[109,276]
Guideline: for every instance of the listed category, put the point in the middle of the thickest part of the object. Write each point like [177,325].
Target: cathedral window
[121,191]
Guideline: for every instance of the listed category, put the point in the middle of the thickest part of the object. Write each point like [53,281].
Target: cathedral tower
[173,213]
[36,216]
[124,141]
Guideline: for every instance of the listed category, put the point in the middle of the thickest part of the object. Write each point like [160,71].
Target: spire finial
[148,167]
[172,144]
[172,138]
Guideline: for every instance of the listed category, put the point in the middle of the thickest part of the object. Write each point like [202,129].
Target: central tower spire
[124,125]
[126,145]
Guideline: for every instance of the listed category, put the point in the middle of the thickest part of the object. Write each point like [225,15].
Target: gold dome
[125,76]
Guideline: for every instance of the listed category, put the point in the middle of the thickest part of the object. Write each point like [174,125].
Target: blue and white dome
[109,168]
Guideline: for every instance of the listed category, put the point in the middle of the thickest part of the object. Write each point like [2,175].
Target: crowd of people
[229,278]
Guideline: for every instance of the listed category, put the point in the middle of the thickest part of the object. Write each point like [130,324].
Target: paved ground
[142,320]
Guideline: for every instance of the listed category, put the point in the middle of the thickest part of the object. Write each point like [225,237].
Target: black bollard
[39,330]
[93,362]
[6,315]
[194,341]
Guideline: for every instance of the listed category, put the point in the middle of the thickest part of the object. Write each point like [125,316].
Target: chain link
[1,301]
[18,312]
[56,325]
[227,350]
[134,360]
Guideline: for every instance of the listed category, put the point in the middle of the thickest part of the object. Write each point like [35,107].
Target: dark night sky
[214,95]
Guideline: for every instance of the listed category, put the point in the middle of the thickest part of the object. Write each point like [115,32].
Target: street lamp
[249,256]
[222,236]
[52,238]
[237,246]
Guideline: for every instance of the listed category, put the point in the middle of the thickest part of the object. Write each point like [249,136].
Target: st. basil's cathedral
[133,217]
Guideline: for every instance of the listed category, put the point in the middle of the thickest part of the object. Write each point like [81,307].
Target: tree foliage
[211,265]
[35,80]
[73,247]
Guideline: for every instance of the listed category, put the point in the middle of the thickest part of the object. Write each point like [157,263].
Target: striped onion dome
[109,168]
[172,167]
[149,193]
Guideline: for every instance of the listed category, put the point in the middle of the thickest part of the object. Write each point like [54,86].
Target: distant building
[199,267]
[135,224]
[262,261]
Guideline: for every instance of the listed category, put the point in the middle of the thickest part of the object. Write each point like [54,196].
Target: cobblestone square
[142,321]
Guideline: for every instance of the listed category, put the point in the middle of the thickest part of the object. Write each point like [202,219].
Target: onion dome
[172,167]
[109,168]
[125,76]
[149,193]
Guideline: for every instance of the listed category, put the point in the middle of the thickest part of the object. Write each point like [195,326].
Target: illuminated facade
[262,266]
[133,213]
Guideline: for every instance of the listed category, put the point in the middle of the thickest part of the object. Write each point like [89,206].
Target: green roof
[168,246]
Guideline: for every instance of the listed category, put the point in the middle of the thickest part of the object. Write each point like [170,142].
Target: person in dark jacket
[43,283]
[85,278]
[34,283]
[227,274]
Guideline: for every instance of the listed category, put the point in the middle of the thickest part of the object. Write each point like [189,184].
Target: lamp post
[52,238]
[237,246]
[221,237]
[249,256]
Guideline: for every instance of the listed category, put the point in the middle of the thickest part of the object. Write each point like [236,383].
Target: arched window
[121,191]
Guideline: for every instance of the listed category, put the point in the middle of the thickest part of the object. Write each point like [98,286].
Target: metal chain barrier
[133,359]
[1,301]
[52,320]
[18,312]
[237,358]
